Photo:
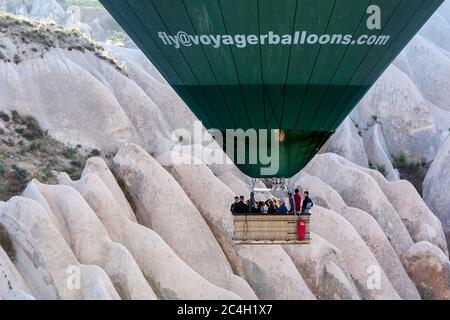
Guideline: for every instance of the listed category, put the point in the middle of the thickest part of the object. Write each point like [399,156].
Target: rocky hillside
[142,227]
[27,152]
[116,231]
[402,126]
[88,16]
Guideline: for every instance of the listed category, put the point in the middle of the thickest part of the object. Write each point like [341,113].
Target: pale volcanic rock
[430,77]
[377,152]
[421,223]
[407,119]
[170,276]
[347,143]
[436,187]
[214,205]
[369,230]
[145,179]
[324,270]
[100,168]
[429,268]
[46,261]
[338,231]
[272,274]
[235,184]
[39,87]
[12,285]
[360,190]
[91,243]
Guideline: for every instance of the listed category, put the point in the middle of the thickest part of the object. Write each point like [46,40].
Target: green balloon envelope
[300,66]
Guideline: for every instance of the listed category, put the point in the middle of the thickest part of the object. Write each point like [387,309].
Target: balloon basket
[270,229]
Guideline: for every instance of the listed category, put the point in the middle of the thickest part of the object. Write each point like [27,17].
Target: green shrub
[73,172]
[423,162]
[42,177]
[9,142]
[19,173]
[17,59]
[16,117]
[95,153]
[89,47]
[2,166]
[77,163]
[35,145]
[34,130]
[4,116]
[70,153]
[382,170]
[117,38]
[61,36]
[78,47]
[24,147]
[402,160]
[2,191]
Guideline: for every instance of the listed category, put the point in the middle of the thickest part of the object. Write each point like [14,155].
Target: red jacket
[298,202]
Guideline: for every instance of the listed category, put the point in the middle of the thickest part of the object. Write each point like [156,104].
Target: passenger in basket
[236,200]
[276,204]
[240,207]
[291,202]
[261,207]
[282,209]
[307,204]
[255,210]
[298,201]
[271,209]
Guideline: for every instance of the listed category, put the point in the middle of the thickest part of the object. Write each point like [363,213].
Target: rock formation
[151,253]
[369,230]
[429,268]
[90,241]
[360,190]
[324,269]
[12,285]
[46,261]
[436,187]
[144,178]
[346,142]
[155,229]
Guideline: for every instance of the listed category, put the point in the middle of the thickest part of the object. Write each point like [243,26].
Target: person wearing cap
[271,207]
[282,209]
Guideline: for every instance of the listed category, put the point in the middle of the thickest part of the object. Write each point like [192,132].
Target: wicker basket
[270,229]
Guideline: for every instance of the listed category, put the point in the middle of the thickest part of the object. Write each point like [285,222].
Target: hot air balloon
[294,67]
[297,66]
